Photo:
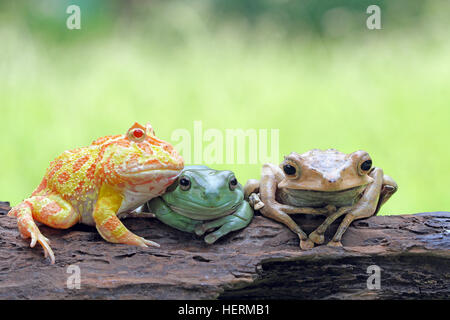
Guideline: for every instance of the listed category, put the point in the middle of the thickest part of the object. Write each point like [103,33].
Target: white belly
[132,200]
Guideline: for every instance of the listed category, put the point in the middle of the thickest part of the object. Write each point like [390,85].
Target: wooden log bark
[262,261]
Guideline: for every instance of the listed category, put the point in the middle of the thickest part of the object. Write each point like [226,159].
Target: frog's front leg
[171,218]
[270,177]
[51,210]
[236,221]
[108,224]
[368,204]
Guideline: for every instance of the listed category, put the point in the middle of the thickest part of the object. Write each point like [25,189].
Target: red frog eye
[137,134]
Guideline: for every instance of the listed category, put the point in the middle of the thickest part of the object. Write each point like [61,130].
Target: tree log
[262,261]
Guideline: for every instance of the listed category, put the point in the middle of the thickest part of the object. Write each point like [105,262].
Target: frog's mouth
[197,211]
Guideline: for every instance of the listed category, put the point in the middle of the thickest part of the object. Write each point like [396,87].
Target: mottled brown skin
[321,182]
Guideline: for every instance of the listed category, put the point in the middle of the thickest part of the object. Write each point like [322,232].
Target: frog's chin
[199,212]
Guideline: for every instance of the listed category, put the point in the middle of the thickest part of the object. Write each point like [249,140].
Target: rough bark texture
[262,261]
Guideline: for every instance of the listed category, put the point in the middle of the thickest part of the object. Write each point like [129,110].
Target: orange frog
[96,185]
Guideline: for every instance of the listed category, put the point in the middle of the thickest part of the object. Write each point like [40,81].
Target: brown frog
[321,182]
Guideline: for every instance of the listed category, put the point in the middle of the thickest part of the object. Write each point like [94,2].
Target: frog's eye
[185,183]
[233,183]
[365,164]
[136,134]
[289,170]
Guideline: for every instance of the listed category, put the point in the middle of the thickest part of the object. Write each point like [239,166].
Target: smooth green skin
[208,204]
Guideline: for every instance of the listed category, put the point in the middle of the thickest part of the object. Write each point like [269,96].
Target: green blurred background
[308,68]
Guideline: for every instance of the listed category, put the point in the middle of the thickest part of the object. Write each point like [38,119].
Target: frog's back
[72,173]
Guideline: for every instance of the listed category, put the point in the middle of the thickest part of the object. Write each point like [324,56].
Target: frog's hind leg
[239,220]
[50,210]
[365,207]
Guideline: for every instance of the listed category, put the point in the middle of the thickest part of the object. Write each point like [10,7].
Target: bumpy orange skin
[93,184]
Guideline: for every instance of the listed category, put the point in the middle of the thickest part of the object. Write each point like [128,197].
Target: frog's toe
[44,242]
[306,244]
[333,243]
[316,237]
[258,205]
[199,230]
[211,238]
[149,243]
